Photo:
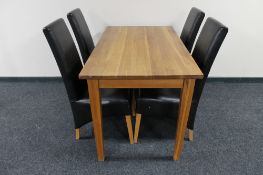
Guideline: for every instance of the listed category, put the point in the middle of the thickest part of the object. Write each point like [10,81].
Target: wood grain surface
[154,52]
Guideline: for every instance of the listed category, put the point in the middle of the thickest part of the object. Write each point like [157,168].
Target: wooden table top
[145,52]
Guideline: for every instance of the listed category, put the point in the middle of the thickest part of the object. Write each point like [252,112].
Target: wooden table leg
[185,104]
[95,105]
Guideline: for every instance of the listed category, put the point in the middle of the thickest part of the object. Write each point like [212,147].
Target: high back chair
[191,27]
[115,102]
[165,102]
[81,32]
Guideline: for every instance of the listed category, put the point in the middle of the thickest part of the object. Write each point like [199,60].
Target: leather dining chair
[191,27]
[115,102]
[165,102]
[81,32]
[188,36]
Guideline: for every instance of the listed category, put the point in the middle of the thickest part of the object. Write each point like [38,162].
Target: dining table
[140,57]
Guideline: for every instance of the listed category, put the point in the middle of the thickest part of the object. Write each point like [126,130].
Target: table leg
[185,104]
[95,105]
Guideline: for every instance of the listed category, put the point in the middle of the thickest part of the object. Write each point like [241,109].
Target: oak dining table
[140,57]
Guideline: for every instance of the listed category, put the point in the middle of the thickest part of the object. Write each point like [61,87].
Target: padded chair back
[208,44]
[205,51]
[191,27]
[67,58]
[82,33]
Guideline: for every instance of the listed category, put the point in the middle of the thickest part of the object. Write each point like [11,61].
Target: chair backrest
[67,57]
[191,27]
[206,49]
[82,33]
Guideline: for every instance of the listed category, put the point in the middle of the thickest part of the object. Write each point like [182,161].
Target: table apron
[167,83]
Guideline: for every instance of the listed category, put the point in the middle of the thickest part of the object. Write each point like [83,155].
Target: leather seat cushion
[115,102]
[156,102]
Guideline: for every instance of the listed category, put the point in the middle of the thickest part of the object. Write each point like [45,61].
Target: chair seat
[115,102]
[158,102]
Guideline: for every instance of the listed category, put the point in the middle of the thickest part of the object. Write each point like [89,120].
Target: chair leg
[77,132]
[190,135]
[133,105]
[129,126]
[137,127]
[92,131]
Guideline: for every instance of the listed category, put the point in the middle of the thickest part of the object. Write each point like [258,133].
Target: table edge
[86,77]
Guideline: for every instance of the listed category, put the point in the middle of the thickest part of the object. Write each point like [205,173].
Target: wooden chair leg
[129,126]
[137,127]
[190,135]
[77,132]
